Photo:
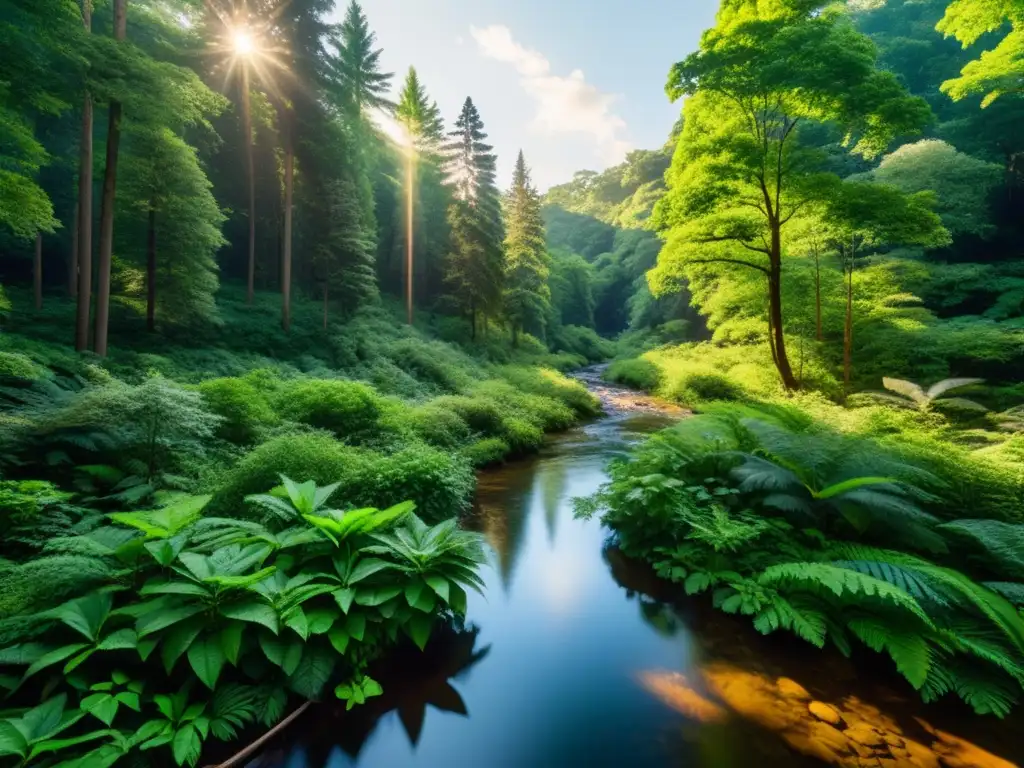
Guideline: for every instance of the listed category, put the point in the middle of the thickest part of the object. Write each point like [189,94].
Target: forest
[265,313]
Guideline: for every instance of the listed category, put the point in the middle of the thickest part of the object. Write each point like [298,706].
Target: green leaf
[253,611]
[344,598]
[157,620]
[121,640]
[356,625]
[419,627]
[207,659]
[55,656]
[312,672]
[103,706]
[178,640]
[296,620]
[367,568]
[440,585]
[376,596]
[11,740]
[231,641]
[849,485]
[321,620]
[186,745]
[339,639]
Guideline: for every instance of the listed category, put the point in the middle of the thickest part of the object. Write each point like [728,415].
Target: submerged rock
[825,712]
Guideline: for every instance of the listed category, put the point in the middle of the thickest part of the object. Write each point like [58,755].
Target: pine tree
[527,264]
[475,268]
[430,198]
[357,66]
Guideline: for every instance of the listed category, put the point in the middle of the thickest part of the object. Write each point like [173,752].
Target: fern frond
[948,385]
[1003,542]
[987,693]
[841,582]
[908,389]
[905,579]
[1011,590]
[907,647]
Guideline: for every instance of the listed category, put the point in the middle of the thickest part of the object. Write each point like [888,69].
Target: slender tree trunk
[848,333]
[85,211]
[817,297]
[107,202]
[286,260]
[251,178]
[37,272]
[775,310]
[73,263]
[151,271]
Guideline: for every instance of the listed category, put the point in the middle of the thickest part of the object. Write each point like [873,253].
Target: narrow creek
[577,658]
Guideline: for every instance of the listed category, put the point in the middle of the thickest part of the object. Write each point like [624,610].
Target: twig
[248,751]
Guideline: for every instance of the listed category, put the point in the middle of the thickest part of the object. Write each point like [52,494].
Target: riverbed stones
[792,689]
[826,713]
[864,734]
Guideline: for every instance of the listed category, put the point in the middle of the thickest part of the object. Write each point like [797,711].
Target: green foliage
[347,408]
[242,407]
[911,395]
[637,373]
[768,513]
[487,451]
[527,294]
[239,614]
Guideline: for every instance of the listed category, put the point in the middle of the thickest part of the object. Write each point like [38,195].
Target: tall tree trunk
[817,297]
[73,262]
[286,259]
[107,203]
[37,272]
[848,333]
[85,211]
[251,177]
[151,271]
[775,310]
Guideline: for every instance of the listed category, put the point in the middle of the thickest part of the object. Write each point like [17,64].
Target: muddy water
[579,658]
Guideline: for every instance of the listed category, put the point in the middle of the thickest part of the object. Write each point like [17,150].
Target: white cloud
[565,105]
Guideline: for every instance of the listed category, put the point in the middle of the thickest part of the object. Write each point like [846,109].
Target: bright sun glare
[242,42]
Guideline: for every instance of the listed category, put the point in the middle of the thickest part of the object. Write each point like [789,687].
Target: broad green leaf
[321,619]
[231,641]
[355,625]
[207,659]
[367,568]
[850,485]
[254,611]
[440,585]
[186,745]
[178,640]
[376,596]
[419,627]
[154,622]
[313,671]
[77,661]
[87,614]
[56,745]
[339,639]
[103,706]
[344,598]
[371,687]
[296,620]
[55,656]
[11,740]
[122,639]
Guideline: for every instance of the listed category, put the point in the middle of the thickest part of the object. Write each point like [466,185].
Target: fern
[986,693]
[1003,543]
[907,647]
[841,582]
[907,580]
[794,615]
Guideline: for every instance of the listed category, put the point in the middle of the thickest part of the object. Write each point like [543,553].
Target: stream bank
[578,657]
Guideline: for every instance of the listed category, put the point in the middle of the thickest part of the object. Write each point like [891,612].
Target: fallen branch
[252,748]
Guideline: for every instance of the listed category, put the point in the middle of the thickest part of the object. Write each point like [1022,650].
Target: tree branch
[742,263]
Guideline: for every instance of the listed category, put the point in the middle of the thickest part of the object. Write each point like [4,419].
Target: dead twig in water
[248,751]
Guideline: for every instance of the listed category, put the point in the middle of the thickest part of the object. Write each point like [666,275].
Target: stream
[576,657]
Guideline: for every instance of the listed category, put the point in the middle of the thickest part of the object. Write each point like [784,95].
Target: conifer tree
[475,268]
[430,199]
[357,65]
[527,295]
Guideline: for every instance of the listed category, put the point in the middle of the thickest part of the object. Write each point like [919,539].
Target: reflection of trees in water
[501,511]
[552,483]
[411,680]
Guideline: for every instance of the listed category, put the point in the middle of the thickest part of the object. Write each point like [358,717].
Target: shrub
[521,435]
[433,362]
[546,413]
[438,425]
[317,457]
[635,372]
[486,451]
[347,408]
[439,482]
[582,341]
[481,414]
[554,385]
[242,407]
[14,365]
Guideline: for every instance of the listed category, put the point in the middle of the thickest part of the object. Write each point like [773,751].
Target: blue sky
[573,83]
